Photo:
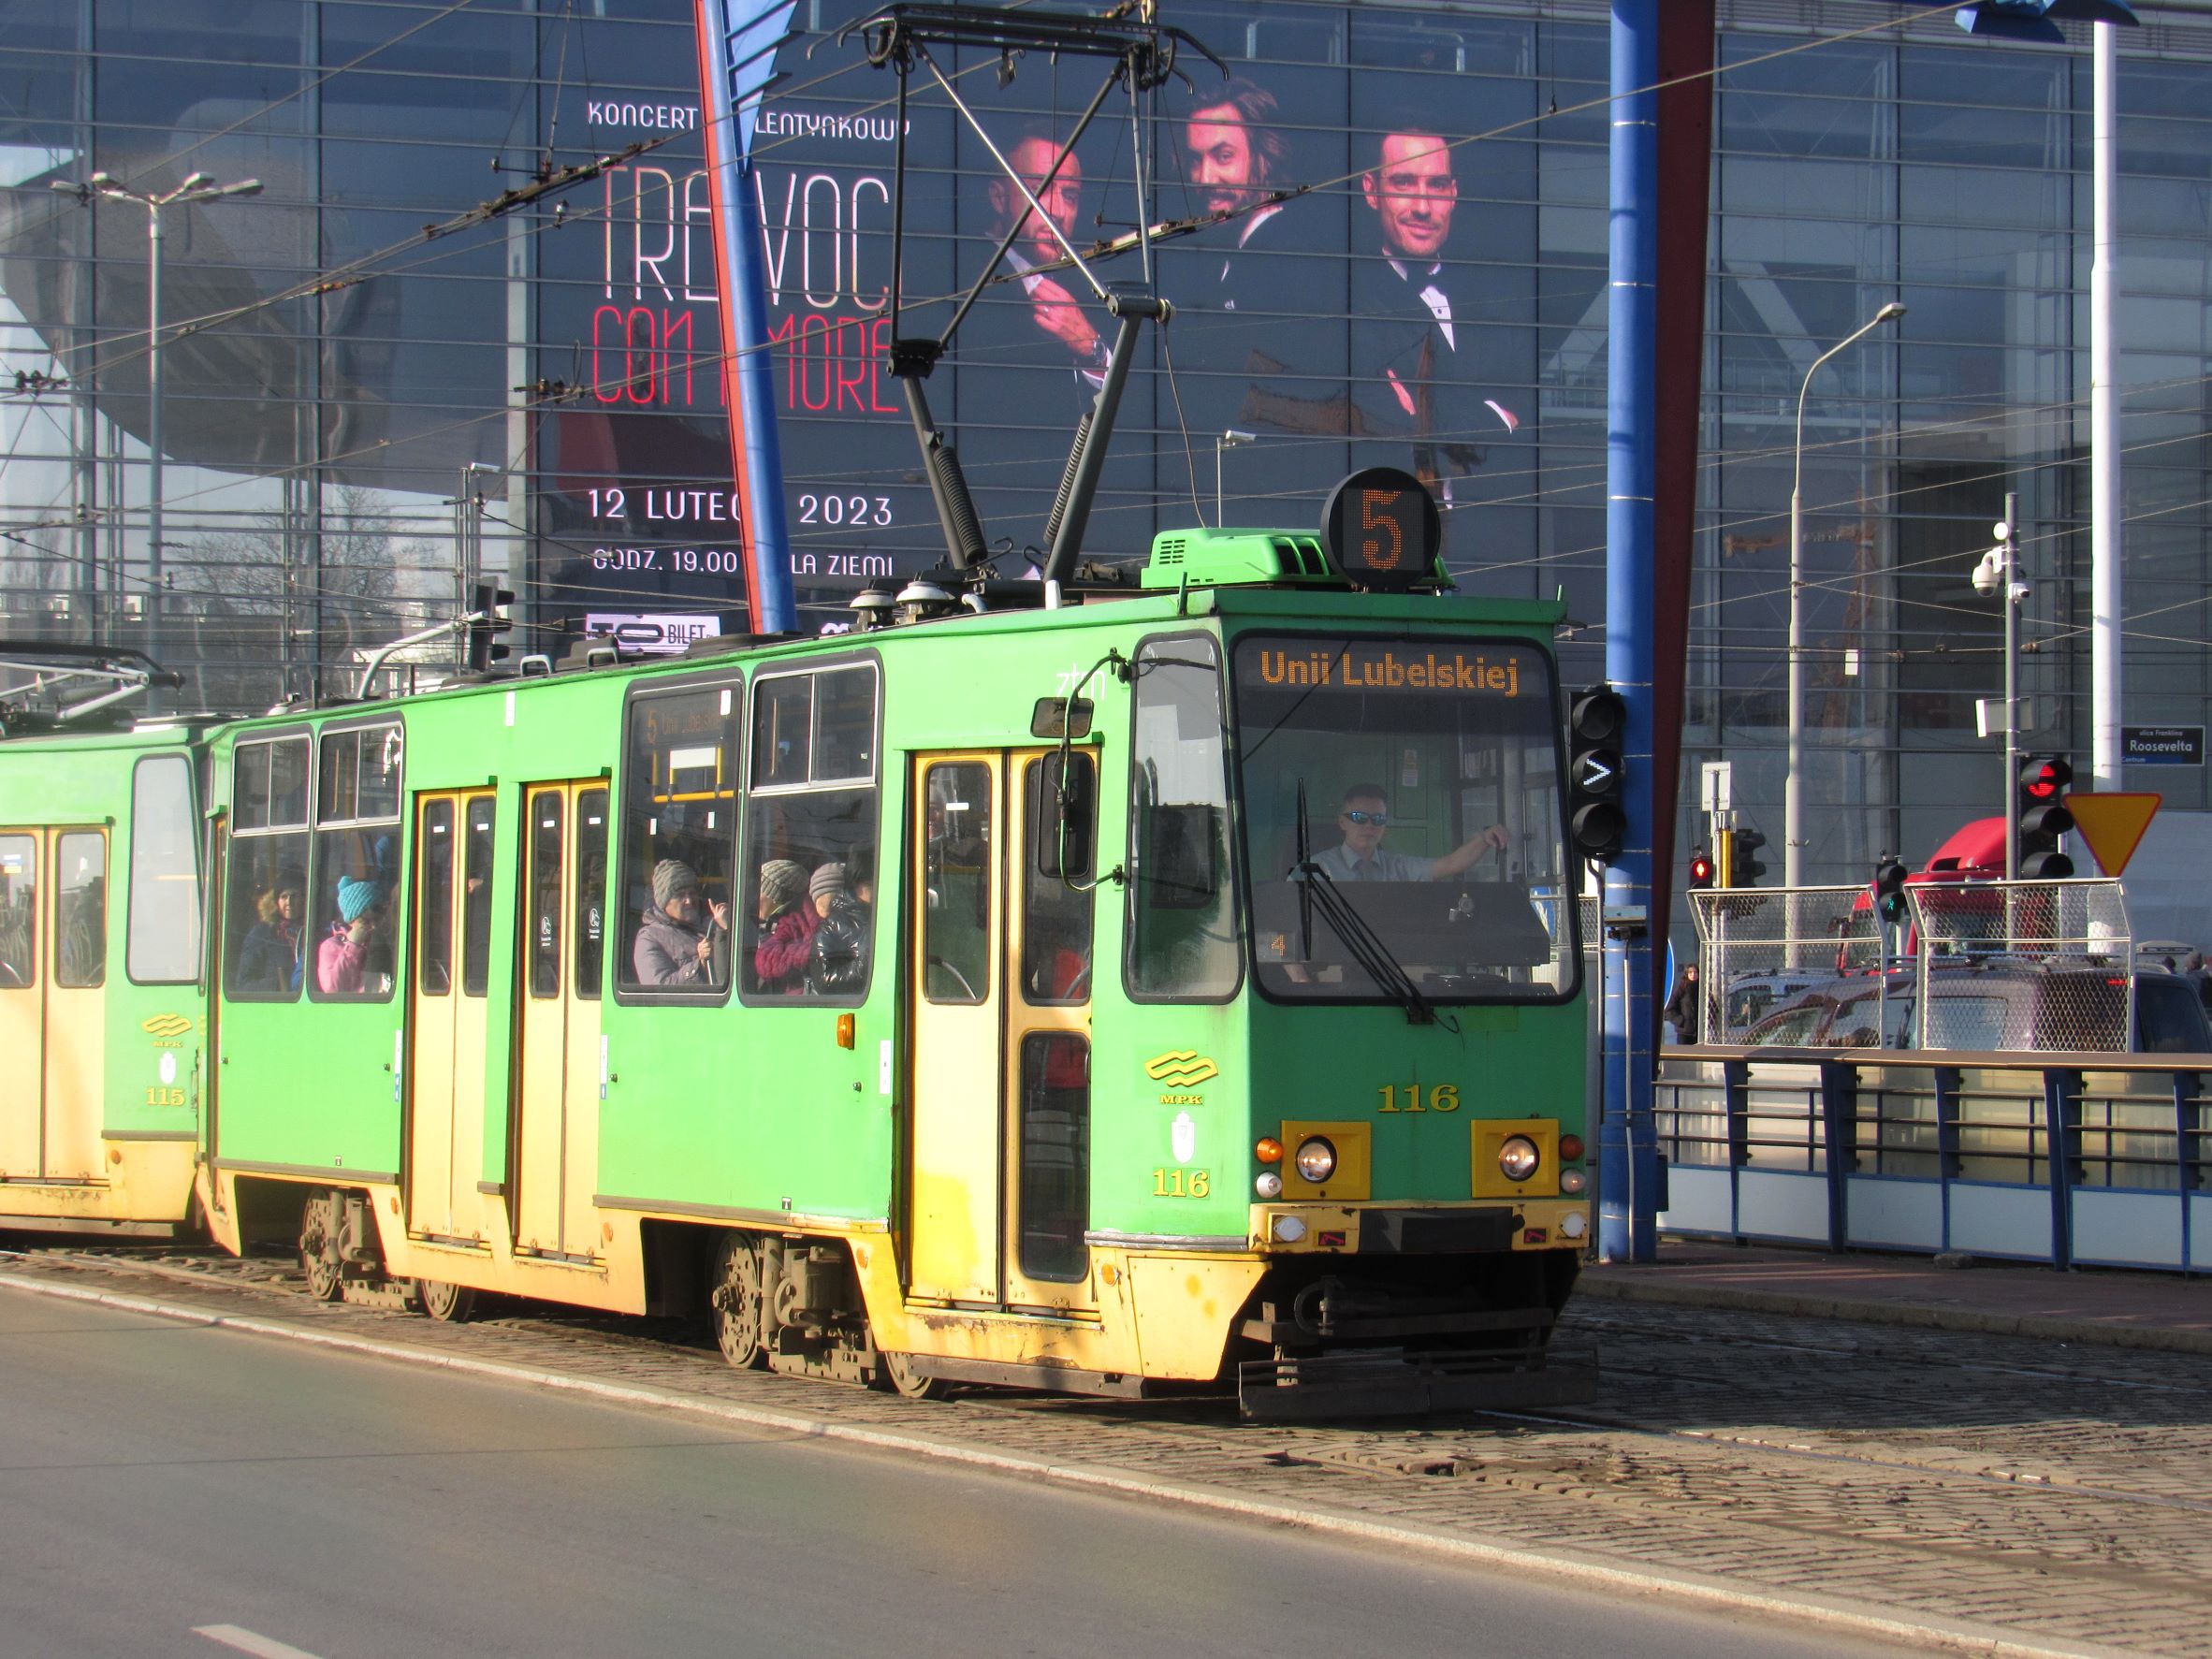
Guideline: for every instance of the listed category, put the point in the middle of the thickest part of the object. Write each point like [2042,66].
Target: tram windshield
[1402,820]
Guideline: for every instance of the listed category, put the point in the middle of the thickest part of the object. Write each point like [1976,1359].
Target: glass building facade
[384,376]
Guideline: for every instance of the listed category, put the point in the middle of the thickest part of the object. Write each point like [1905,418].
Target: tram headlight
[1316,1160]
[1268,1186]
[1518,1157]
[1572,1181]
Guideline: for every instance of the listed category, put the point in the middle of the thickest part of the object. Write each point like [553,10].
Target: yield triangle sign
[2112,826]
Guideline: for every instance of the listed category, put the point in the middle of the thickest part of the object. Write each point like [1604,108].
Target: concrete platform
[2116,1308]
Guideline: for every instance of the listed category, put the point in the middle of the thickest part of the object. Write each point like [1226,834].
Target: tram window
[434,925]
[1183,917]
[679,833]
[265,934]
[1056,1152]
[544,890]
[1056,917]
[161,946]
[957,868]
[80,909]
[808,919]
[591,925]
[357,865]
[477,899]
[18,912]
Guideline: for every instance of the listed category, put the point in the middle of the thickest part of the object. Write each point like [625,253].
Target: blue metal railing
[2066,1159]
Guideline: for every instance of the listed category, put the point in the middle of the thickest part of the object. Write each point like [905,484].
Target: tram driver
[1360,856]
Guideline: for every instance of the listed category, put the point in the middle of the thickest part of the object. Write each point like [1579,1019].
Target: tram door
[564,954]
[449,1016]
[23,1008]
[54,971]
[998,1182]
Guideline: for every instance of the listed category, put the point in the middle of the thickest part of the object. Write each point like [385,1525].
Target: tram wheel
[737,1301]
[897,1371]
[319,1246]
[450,1305]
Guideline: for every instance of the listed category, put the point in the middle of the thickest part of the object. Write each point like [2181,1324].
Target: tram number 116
[1182,1184]
[1444,1097]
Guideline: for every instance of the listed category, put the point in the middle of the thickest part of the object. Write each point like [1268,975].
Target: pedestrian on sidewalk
[1684,1005]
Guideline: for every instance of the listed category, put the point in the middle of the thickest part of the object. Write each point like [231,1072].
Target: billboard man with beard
[1246,351]
[1030,356]
[1418,338]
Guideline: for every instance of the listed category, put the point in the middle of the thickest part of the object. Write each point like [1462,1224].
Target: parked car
[1993,1005]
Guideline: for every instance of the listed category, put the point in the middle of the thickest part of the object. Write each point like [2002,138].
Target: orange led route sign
[2112,826]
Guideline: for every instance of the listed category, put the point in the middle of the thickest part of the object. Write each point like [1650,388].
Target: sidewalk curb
[1916,1315]
[1954,1636]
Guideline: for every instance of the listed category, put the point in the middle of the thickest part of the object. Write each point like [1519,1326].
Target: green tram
[1108,997]
[101,1011]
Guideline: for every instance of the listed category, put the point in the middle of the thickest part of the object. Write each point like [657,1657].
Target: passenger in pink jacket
[343,960]
[786,936]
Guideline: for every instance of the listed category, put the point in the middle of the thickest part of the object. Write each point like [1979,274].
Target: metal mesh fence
[1984,965]
[2023,964]
[1763,948]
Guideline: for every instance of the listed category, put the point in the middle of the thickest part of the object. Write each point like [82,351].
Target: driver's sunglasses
[1380,819]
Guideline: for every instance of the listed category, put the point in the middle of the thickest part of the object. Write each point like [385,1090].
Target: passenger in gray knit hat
[675,944]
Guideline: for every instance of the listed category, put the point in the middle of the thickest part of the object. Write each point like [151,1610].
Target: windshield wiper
[1373,958]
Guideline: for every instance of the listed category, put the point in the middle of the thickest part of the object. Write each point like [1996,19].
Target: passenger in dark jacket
[787,922]
[840,963]
[269,960]
[675,944]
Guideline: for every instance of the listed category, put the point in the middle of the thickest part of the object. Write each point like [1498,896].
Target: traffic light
[487,617]
[1744,867]
[1700,870]
[1889,889]
[1595,817]
[2043,818]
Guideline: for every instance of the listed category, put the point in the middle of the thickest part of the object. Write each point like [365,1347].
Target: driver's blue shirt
[1381,865]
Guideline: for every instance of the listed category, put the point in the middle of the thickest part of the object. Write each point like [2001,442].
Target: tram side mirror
[1182,868]
[1060,717]
[1066,820]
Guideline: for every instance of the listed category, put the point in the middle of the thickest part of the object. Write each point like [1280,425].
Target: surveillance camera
[1989,577]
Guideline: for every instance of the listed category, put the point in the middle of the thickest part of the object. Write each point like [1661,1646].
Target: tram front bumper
[1420,1229]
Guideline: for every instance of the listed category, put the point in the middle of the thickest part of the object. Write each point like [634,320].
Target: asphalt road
[175,1489]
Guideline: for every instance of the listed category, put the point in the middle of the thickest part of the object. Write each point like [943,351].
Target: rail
[2070,1159]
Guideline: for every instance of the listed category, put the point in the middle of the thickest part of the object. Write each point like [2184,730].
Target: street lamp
[1793,803]
[195,187]
[1231,439]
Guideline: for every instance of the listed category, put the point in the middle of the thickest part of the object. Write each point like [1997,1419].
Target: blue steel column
[768,537]
[1628,1164]
[737,60]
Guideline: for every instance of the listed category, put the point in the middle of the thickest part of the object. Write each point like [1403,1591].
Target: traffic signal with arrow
[1595,820]
[1889,889]
[2043,818]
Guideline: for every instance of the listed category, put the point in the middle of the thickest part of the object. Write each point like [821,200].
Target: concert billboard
[1360,288]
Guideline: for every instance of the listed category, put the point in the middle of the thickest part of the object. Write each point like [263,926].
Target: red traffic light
[2045,780]
[1700,869]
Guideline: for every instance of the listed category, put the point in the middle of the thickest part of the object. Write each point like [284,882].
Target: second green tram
[1111,997]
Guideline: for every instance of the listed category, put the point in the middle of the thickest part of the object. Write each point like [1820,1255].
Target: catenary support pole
[155,641]
[2105,531]
[1627,1156]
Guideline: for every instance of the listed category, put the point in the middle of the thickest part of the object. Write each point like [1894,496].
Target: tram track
[1708,1455]
[1211,1417]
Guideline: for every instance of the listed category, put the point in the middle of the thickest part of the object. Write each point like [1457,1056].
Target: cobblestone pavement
[1984,1490]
